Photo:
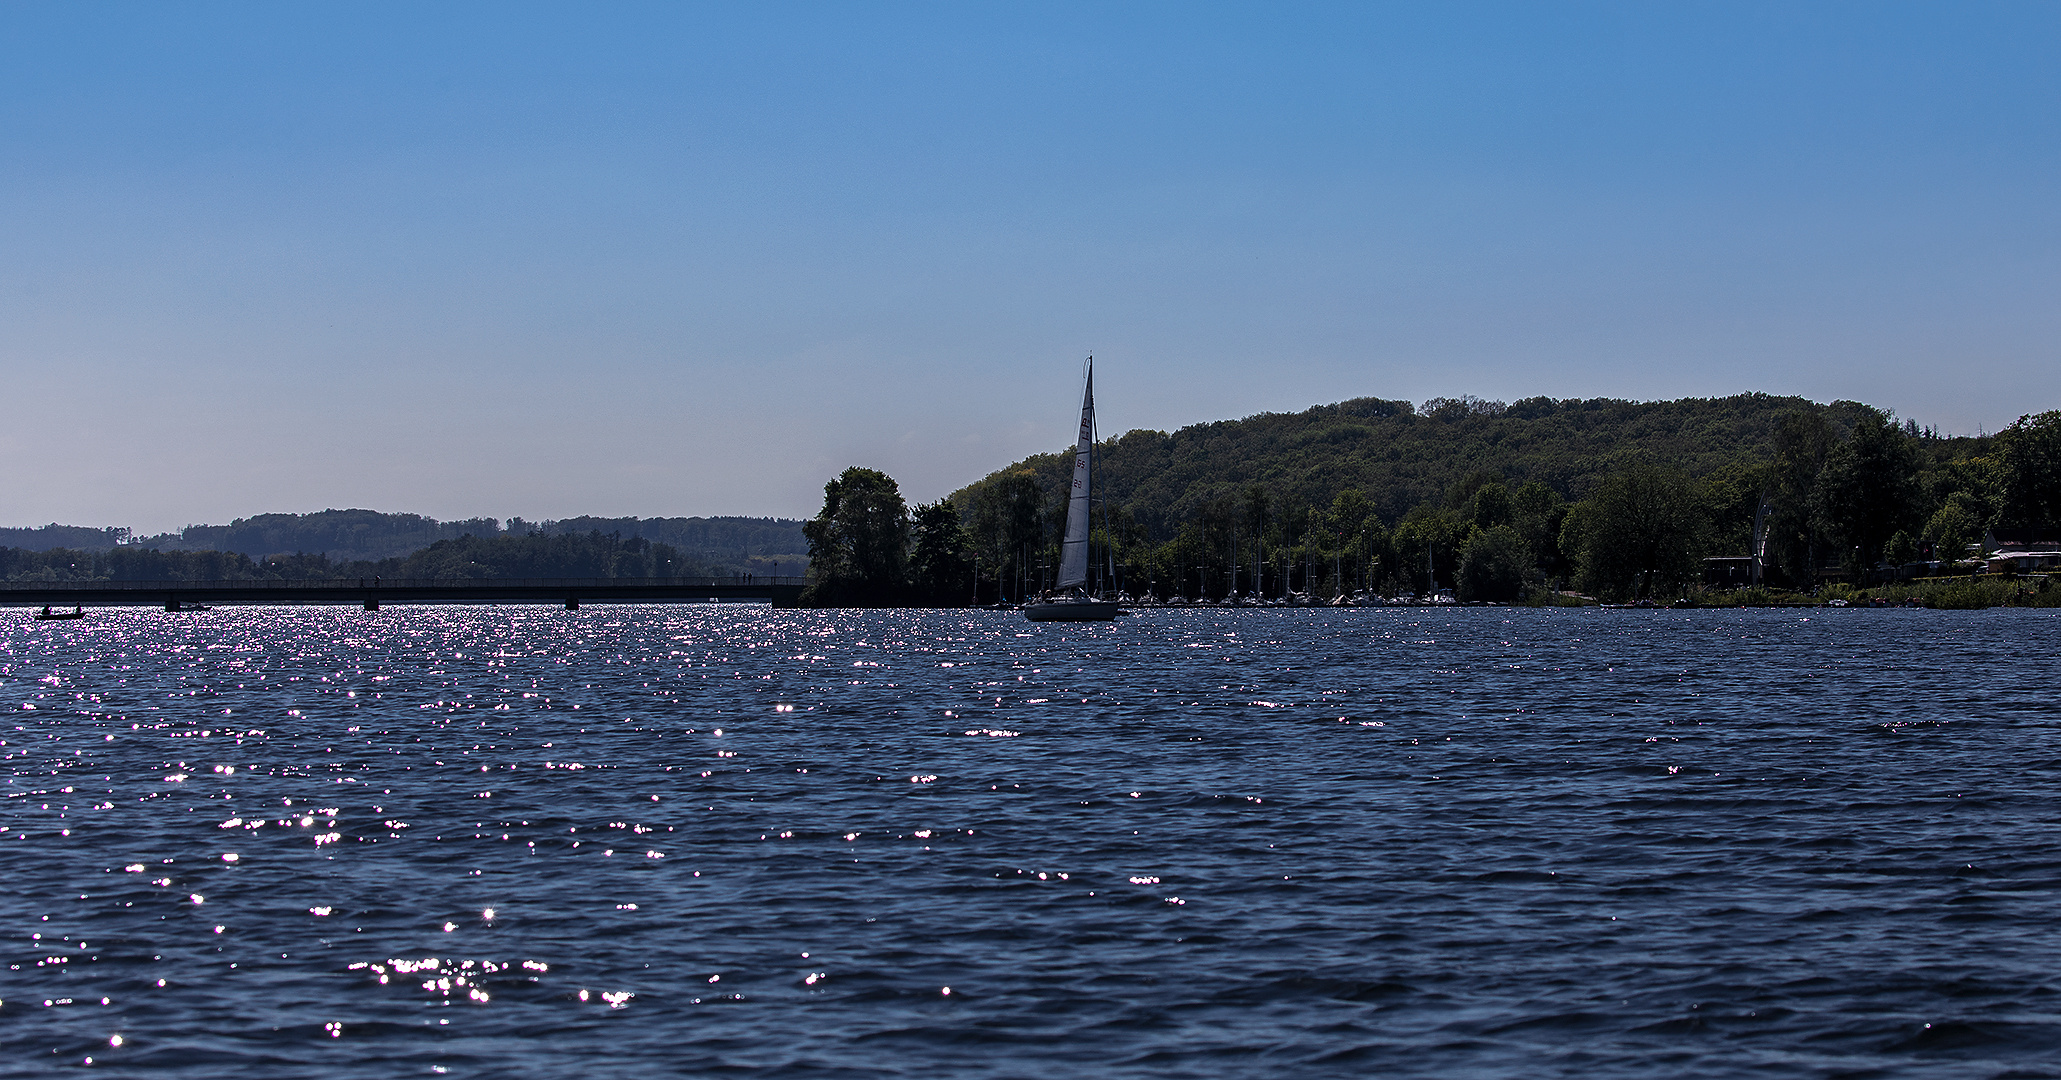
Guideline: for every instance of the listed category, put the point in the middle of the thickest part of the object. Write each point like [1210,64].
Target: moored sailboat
[1069,600]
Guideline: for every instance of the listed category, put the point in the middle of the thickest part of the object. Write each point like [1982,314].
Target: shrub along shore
[1965,593]
[1950,593]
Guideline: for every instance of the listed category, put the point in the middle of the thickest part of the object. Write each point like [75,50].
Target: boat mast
[1760,536]
[1231,596]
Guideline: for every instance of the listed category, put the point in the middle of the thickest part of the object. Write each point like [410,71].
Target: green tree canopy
[1641,534]
[2030,453]
[859,544]
[1350,509]
[1426,545]
[1006,520]
[1492,505]
[1867,489]
[1537,514]
[1953,527]
[941,561]
[1497,565]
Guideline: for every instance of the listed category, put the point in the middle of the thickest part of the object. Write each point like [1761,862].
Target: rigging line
[1108,533]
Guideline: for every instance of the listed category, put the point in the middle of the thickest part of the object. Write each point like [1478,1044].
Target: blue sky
[548,260]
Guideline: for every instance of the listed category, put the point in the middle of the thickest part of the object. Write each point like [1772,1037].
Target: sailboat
[1069,600]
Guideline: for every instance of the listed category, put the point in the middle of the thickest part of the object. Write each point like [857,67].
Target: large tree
[1867,490]
[859,544]
[941,563]
[1356,533]
[1538,513]
[1803,440]
[2031,453]
[1426,545]
[1006,516]
[1640,534]
[1492,506]
[1497,565]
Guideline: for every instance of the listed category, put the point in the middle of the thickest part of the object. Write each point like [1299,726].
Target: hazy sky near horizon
[674,259]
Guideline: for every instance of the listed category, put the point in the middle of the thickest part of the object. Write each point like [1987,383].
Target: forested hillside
[1623,498]
[1400,457]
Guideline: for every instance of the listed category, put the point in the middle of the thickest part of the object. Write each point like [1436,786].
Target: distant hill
[530,554]
[343,535]
[719,545]
[72,537]
[1400,455]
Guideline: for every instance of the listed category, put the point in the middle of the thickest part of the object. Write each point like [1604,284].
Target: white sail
[1073,550]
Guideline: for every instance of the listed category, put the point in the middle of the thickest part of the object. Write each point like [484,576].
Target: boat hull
[1071,611]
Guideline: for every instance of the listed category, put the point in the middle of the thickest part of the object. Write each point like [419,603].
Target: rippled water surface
[702,840]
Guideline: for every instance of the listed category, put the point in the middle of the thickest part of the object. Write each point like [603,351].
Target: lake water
[632,842]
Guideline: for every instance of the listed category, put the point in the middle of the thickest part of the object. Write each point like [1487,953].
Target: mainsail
[1073,550]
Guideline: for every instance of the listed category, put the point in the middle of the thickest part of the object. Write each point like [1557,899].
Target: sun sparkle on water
[1364,836]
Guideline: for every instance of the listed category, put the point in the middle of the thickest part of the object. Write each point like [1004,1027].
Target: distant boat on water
[47,615]
[1069,600]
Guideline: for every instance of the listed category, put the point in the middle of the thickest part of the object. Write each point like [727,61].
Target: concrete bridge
[372,592]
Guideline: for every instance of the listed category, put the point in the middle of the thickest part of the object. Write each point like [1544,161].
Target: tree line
[528,555]
[1616,500]
[726,545]
[868,548]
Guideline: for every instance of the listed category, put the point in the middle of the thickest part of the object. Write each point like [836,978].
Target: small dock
[370,593]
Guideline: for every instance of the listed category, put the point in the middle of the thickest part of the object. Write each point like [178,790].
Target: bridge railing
[375,584]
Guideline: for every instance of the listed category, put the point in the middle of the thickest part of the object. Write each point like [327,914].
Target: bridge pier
[572,603]
[371,604]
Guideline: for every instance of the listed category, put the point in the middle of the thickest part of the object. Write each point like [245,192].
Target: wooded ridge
[1496,501]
